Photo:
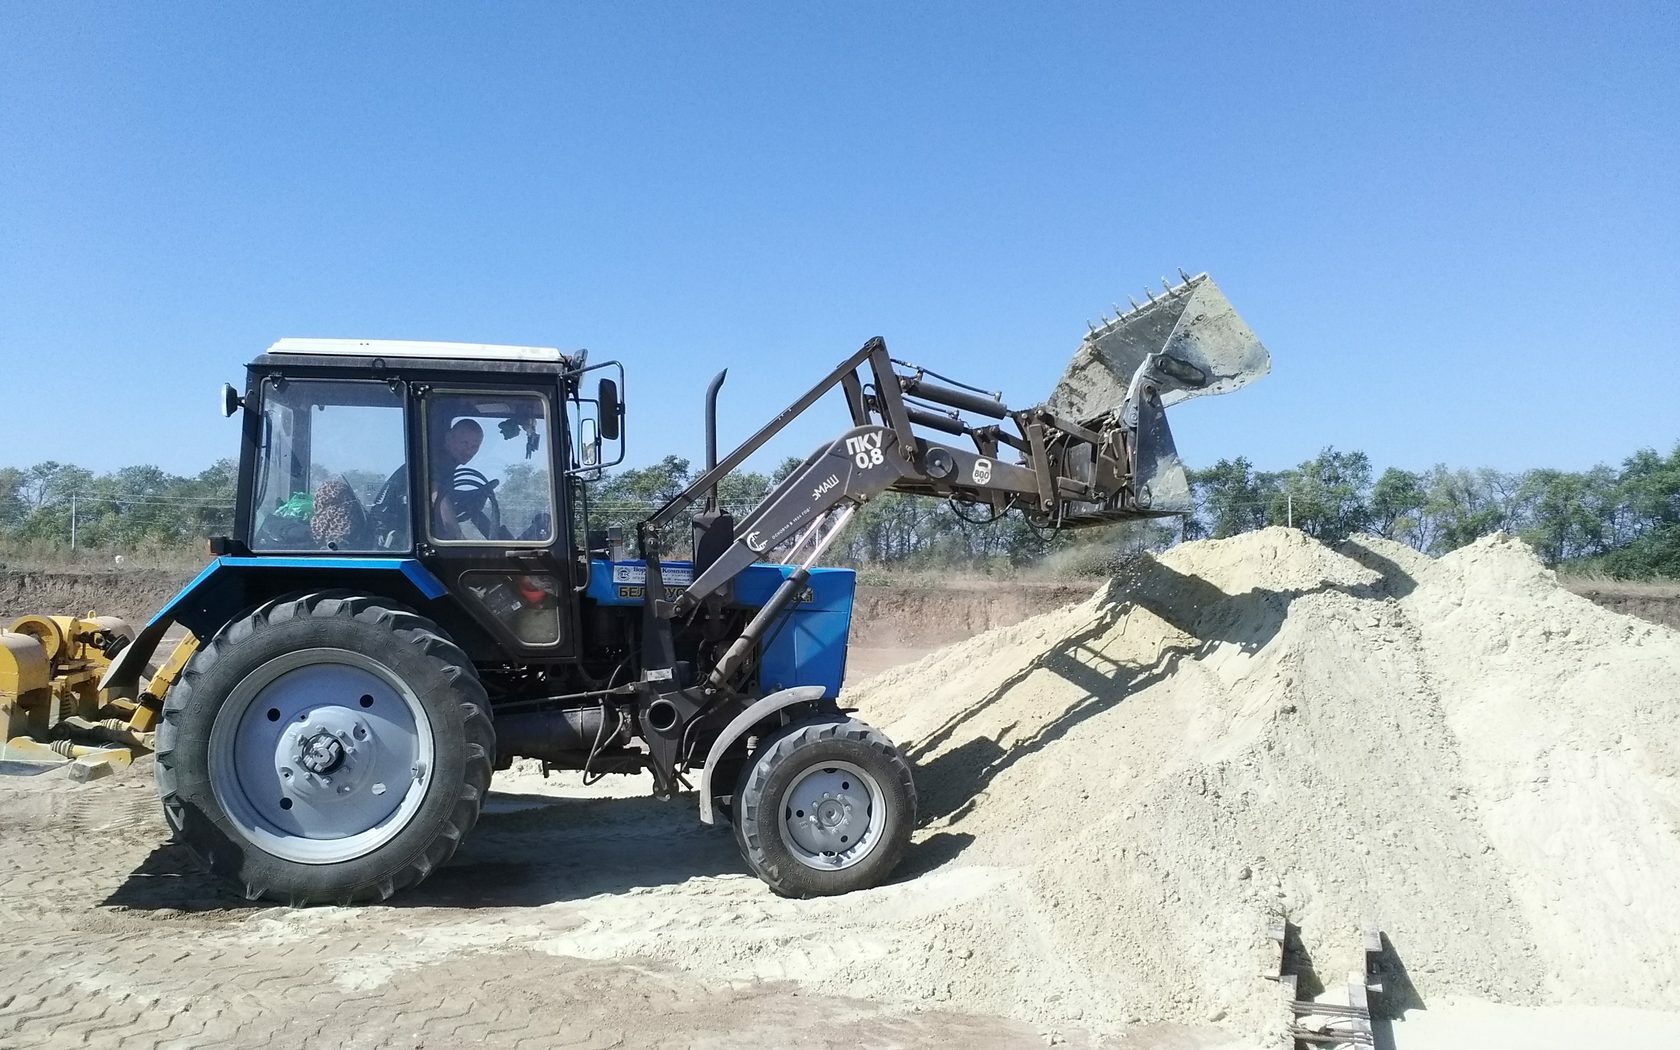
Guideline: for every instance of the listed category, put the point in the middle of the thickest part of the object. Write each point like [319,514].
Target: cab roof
[425,350]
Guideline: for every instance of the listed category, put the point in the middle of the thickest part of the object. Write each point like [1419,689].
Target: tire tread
[790,878]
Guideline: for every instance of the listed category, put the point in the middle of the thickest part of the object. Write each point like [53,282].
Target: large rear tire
[824,807]
[328,748]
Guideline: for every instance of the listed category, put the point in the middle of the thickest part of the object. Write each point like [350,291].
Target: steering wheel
[474,498]
[388,514]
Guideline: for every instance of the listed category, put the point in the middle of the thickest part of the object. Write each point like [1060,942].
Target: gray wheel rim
[320,756]
[832,816]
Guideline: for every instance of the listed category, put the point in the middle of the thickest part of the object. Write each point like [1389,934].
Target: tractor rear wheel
[824,807]
[325,748]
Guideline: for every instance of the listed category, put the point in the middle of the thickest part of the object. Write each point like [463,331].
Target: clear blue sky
[1458,229]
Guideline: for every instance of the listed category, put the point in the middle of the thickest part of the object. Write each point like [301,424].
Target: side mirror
[606,399]
[589,438]
[231,401]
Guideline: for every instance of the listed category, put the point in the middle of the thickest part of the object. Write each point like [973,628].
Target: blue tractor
[415,593]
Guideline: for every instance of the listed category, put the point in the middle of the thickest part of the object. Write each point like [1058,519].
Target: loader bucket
[1190,336]
[1184,343]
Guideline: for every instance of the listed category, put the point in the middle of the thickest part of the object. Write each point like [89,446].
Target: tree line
[1623,521]
[140,508]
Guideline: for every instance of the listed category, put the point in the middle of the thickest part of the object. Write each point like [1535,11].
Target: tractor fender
[229,585]
[739,726]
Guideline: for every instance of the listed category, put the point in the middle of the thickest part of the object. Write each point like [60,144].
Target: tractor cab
[464,458]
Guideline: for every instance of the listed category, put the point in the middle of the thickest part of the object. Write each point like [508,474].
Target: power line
[145,498]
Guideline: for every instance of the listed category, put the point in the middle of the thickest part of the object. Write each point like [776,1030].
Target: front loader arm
[856,466]
[1114,461]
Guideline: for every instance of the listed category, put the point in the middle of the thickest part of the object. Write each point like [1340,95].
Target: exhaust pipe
[711,432]
[713,529]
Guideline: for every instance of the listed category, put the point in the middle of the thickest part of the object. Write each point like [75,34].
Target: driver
[460,444]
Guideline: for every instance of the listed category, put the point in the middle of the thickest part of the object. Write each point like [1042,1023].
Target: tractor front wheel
[325,748]
[824,807]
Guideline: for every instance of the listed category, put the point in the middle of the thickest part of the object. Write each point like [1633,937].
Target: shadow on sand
[527,850]
[1196,608]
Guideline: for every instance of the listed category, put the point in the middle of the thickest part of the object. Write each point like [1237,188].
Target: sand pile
[1486,766]
[1120,796]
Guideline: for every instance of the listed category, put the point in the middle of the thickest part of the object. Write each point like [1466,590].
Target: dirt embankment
[928,617]
[133,594]
[889,620]
[1655,607]
[888,616]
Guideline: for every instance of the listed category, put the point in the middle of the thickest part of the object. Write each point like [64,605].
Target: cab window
[488,476]
[326,453]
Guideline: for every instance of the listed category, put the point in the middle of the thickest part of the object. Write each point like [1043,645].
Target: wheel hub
[321,753]
[831,816]
[331,752]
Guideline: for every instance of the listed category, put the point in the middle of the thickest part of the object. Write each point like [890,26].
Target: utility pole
[1289,508]
[72,521]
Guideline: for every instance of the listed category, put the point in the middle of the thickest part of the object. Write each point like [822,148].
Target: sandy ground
[1456,1025]
[529,937]
[525,939]
[116,940]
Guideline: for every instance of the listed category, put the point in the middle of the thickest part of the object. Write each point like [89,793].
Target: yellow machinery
[52,711]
